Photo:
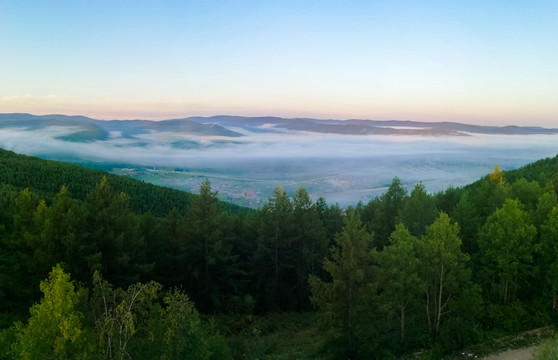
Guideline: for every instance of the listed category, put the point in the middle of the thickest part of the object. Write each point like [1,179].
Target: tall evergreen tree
[467,216]
[113,242]
[345,300]
[275,257]
[172,266]
[18,258]
[310,242]
[61,232]
[385,211]
[209,255]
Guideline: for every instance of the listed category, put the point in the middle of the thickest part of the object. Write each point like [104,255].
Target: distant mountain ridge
[88,129]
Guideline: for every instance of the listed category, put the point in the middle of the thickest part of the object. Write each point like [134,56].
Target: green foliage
[122,318]
[48,176]
[54,330]
[399,278]
[132,323]
[506,245]
[380,214]
[527,192]
[275,247]
[114,244]
[8,338]
[469,219]
[549,252]
[543,171]
[310,242]
[345,300]
[372,304]
[548,350]
[511,318]
[211,266]
[444,270]
[546,202]
[418,211]
[182,338]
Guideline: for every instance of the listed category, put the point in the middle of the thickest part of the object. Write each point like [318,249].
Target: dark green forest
[98,266]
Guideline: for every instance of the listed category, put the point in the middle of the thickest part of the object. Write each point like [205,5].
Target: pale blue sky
[469,61]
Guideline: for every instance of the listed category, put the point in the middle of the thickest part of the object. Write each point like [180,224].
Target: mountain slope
[88,129]
[48,177]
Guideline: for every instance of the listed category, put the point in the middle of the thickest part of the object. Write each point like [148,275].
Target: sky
[480,62]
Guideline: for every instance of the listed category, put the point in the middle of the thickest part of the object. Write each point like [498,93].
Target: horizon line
[276,117]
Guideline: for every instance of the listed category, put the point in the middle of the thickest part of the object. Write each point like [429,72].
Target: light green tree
[182,338]
[506,245]
[443,269]
[122,316]
[399,274]
[527,192]
[54,330]
[546,202]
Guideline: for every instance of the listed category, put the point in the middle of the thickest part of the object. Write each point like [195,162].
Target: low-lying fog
[343,169]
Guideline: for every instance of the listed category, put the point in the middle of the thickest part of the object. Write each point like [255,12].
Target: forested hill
[124,267]
[46,177]
[544,171]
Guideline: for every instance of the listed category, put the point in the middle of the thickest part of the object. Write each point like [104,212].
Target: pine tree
[310,242]
[345,301]
[208,252]
[275,256]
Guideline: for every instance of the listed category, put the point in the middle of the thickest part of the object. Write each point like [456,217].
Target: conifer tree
[310,242]
[275,257]
[345,301]
[208,252]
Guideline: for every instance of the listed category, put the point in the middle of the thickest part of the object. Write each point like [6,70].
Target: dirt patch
[515,354]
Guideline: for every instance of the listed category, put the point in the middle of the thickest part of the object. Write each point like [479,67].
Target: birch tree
[443,269]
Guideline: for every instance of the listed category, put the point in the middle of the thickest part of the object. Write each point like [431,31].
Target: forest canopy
[123,262]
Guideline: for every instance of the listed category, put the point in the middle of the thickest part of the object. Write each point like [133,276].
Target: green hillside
[47,177]
[166,274]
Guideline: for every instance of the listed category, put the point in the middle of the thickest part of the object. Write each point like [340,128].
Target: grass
[290,336]
[278,336]
[495,344]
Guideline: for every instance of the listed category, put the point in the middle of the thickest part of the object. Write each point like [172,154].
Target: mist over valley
[245,158]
